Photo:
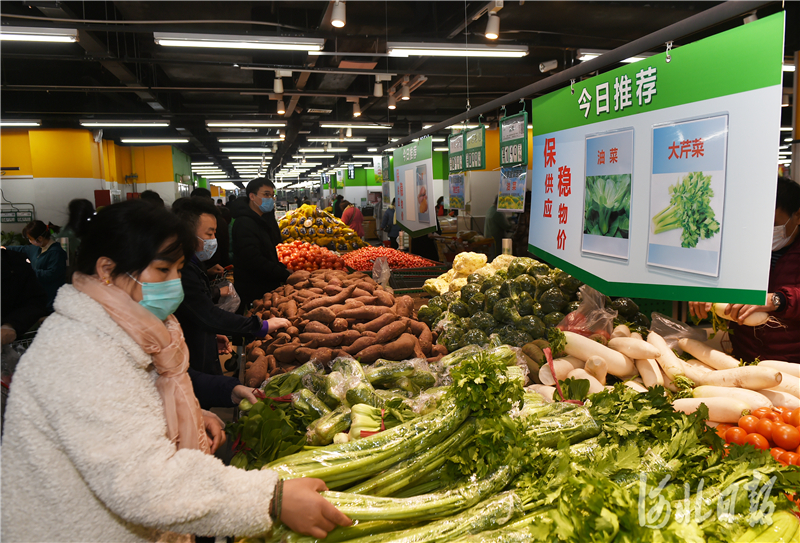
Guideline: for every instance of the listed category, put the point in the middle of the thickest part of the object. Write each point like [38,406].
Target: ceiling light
[548,65]
[277,85]
[338,14]
[356,109]
[377,91]
[405,49]
[228,41]
[355,126]
[281,108]
[246,140]
[349,134]
[154,140]
[274,147]
[202,163]
[788,67]
[787,139]
[786,129]
[245,150]
[589,54]
[21,122]
[366,156]
[247,124]
[249,157]
[392,101]
[372,149]
[313,156]
[237,163]
[454,126]
[30,33]
[492,26]
[351,139]
[92,123]
[329,150]
[282,134]
[405,92]
[444,149]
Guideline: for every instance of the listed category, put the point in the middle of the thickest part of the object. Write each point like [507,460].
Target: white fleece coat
[85,455]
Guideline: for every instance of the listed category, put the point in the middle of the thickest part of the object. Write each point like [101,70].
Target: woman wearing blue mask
[102,410]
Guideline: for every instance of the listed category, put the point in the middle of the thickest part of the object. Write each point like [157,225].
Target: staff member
[783,301]
[48,259]
[255,236]
[353,218]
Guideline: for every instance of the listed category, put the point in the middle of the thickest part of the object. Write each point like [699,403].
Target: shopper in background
[519,238]
[389,225]
[23,300]
[216,265]
[48,259]
[153,198]
[496,227]
[780,342]
[353,218]
[103,433]
[80,213]
[255,236]
[219,202]
[337,206]
[440,207]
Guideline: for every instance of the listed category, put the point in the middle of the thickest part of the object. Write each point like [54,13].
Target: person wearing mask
[496,227]
[134,462]
[255,236]
[23,300]
[780,342]
[440,207]
[216,264]
[353,218]
[337,206]
[80,213]
[48,259]
[389,225]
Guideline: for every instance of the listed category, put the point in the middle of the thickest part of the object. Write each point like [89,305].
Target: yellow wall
[64,153]
[214,190]
[15,150]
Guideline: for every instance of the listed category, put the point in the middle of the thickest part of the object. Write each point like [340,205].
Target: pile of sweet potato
[334,313]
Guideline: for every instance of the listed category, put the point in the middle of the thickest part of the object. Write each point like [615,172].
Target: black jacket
[202,321]
[256,267]
[212,390]
[23,299]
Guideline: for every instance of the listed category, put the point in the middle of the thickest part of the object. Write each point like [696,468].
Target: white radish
[750,377]
[582,347]
[594,385]
[696,371]
[727,410]
[752,398]
[562,368]
[638,380]
[671,364]
[785,367]
[598,367]
[650,372]
[789,384]
[577,363]
[544,390]
[635,386]
[637,335]
[781,399]
[754,319]
[633,348]
[621,331]
[668,384]
[705,354]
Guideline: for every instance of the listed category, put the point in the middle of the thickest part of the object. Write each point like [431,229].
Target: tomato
[776,452]
[786,436]
[758,441]
[793,418]
[765,427]
[748,423]
[760,412]
[736,435]
[774,417]
[788,458]
[721,429]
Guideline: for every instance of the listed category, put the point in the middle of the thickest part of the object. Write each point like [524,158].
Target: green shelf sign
[475,149]
[455,152]
[514,140]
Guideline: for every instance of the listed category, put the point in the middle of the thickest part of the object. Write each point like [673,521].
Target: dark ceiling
[117,71]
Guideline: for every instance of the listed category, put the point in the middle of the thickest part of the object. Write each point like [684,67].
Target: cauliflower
[456,284]
[466,263]
[502,262]
[486,271]
[435,287]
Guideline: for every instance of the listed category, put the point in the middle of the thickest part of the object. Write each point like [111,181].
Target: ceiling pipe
[710,17]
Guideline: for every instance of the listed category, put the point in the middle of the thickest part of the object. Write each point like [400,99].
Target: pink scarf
[164,342]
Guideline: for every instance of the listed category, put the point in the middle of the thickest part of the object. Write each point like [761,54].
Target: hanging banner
[475,149]
[455,152]
[456,182]
[514,140]
[386,173]
[377,165]
[646,184]
[512,189]
[413,168]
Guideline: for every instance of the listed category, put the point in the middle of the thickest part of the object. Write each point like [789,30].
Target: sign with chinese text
[413,170]
[514,140]
[456,182]
[455,152]
[475,149]
[386,173]
[351,171]
[512,189]
[647,184]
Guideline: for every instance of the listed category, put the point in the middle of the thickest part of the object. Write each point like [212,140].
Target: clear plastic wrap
[428,401]
[381,272]
[456,357]
[385,373]
[355,390]
[349,367]
[323,430]
[672,330]
[573,426]
[592,316]
[308,404]
[231,302]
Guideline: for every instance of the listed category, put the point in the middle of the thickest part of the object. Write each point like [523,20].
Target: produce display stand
[412,279]
[450,246]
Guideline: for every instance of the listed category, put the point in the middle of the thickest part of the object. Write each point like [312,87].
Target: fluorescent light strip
[786,129]
[249,157]
[347,140]
[328,150]
[356,126]
[400,49]
[20,122]
[246,149]
[154,140]
[245,124]
[366,156]
[444,149]
[247,140]
[235,163]
[788,67]
[141,124]
[313,156]
[202,164]
[227,41]
[29,33]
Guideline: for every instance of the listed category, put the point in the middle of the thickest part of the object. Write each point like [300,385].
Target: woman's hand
[223,344]
[215,429]
[278,323]
[225,291]
[699,309]
[241,392]
[739,312]
[216,269]
[306,512]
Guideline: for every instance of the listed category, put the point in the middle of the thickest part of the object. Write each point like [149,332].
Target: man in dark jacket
[255,236]
[24,300]
[337,206]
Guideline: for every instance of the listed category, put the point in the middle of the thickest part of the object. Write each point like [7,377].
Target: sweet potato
[276,371]
[349,336]
[364,313]
[400,349]
[253,355]
[423,333]
[257,372]
[418,349]
[439,349]
[321,314]
[358,292]
[335,282]
[304,354]
[365,300]
[331,290]
[324,301]
[271,362]
[432,359]
[371,354]
[360,344]
[339,325]
[323,340]
[376,324]
[323,355]
[367,333]
[298,276]
[366,285]
[316,328]
[351,303]
[383,298]
[316,290]
[404,306]
[391,332]
[285,354]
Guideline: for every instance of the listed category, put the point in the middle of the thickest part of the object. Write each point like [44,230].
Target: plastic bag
[323,430]
[591,317]
[381,272]
[231,302]
[672,330]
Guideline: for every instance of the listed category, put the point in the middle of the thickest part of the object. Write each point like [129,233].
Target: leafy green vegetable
[460,308]
[553,300]
[533,326]
[519,266]
[690,209]
[505,310]
[573,389]
[607,205]
[474,337]
[268,431]
[429,314]
[492,297]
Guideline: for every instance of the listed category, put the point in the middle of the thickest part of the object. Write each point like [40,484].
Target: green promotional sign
[455,152]
[386,173]
[475,149]
[514,140]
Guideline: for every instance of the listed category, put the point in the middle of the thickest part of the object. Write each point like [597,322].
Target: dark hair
[226,215]
[255,185]
[339,197]
[80,213]
[152,198]
[200,191]
[189,210]
[132,234]
[345,204]
[787,197]
[440,200]
[393,199]
[35,229]
[219,201]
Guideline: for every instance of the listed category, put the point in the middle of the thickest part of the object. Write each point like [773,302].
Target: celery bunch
[690,209]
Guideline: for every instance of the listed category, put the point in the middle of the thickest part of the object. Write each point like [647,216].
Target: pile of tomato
[363,259]
[776,429]
[299,255]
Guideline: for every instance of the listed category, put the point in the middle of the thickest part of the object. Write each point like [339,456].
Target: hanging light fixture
[392,101]
[274,147]
[281,134]
[277,86]
[377,92]
[281,107]
[356,109]
[405,92]
[492,26]
[349,132]
[338,14]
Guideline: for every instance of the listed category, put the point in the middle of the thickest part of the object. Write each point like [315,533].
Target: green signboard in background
[413,174]
[386,173]
[514,140]
[475,149]
[455,152]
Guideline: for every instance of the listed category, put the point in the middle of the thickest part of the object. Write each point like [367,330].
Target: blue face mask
[209,248]
[267,205]
[161,299]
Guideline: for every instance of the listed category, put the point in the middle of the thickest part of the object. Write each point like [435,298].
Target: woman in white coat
[104,439]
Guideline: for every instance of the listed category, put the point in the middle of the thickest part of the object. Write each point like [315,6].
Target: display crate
[414,278]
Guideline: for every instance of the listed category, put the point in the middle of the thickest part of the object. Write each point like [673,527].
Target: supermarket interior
[400,271]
